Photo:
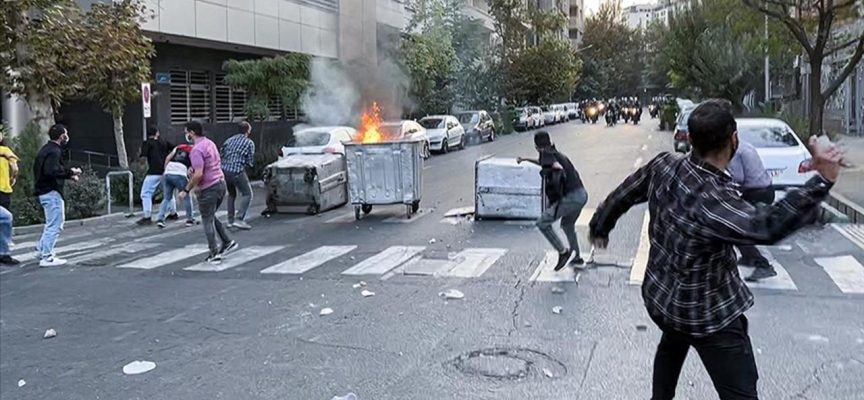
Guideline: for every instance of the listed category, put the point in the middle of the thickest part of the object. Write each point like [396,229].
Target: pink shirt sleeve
[197,158]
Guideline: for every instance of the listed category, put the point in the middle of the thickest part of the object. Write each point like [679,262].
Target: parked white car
[317,140]
[572,110]
[561,112]
[550,115]
[444,131]
[406,130]
[785,157]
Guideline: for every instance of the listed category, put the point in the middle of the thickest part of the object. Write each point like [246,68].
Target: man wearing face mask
[691,286]
[51,173]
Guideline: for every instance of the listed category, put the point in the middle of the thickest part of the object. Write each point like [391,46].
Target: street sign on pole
[145,98]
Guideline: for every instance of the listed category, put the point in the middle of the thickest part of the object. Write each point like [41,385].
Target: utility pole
[767,65]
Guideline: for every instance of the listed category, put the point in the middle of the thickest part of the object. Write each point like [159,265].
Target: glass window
[432,123]
[767,136]
[311,138]
[470,118]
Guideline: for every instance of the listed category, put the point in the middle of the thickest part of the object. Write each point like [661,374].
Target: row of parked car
[533,117]
[441,134]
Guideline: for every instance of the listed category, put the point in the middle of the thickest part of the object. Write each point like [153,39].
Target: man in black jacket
[566,196]
[50,174]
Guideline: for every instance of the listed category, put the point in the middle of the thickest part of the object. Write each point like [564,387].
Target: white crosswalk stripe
[236,258]
[782,281]
[129,248]
[545,272]
[855,233]
[846,272]
[471,263]
[166,258]
[385,261]
[310,260]
[91,244]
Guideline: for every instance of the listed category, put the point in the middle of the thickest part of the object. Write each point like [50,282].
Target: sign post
[145,106]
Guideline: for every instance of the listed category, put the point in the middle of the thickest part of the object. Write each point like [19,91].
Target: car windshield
[432,123]
[767,136]
[544,108]
[520,111]
[470,118]
[311,138]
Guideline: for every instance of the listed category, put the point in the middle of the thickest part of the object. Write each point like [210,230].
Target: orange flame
[370,125]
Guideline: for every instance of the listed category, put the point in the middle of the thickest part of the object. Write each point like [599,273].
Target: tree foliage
[430,57]
[815,25]
[612,54]
[284,77]
[542,74]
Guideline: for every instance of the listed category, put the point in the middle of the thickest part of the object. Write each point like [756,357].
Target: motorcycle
[636,115]
[611,118]
[653,110]
[625,114]
[591,114]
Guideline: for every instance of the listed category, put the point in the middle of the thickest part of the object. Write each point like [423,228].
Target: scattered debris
[758,350]
[784,247]
[356,286]
[690,383]
[641,328]
[326,311]
[527,324]
[21,383]
[548,373]
[432,241]
[50,334]
[349,396]
[353,258]
[367,293]
[558,290]
[452,294]
[311,305]
[362,283]
[138,367]
[556,310]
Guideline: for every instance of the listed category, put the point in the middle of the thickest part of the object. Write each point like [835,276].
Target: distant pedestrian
[153,153]
[209,183]
[566,196]
[238,152]
[691,287]
[176,178]
[8,173]
[6,237]
[50,173]
[754,181]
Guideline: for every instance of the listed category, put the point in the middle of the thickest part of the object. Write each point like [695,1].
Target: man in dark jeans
[691,287]
[238,152]
[566,195]
[755,183]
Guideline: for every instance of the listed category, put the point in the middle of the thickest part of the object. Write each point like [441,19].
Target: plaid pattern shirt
[237,153]
[691,281]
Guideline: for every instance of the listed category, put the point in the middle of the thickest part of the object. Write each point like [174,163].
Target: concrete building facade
[576,23]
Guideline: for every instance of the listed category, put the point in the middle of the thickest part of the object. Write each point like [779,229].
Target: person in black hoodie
[566,196]
[51,173]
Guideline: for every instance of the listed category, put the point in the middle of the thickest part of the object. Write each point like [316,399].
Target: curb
[854,211]
[28,229]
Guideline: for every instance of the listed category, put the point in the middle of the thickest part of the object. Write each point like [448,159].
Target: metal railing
[129,178]
[89,156]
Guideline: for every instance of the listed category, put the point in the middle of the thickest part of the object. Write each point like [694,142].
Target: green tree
[557,81]
[41,56]
[285,78]
[615,52]
[815,26]
[117,59]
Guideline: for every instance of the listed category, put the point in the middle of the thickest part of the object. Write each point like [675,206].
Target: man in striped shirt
[238,152]
[692,289]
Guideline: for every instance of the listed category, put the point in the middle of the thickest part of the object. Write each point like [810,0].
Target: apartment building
[576,22]
[193,38]
[640,16]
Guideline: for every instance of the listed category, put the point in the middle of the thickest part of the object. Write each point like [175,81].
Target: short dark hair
[542,139]
[195,127]
[56,131]
[244,126]
[710,126]
[152,131]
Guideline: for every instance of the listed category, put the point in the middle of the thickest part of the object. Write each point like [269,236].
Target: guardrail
[129,178]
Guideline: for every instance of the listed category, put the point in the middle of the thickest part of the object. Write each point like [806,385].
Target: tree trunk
[817,101]
[120,141]
[42,113]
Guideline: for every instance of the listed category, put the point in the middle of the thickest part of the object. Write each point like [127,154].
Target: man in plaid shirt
[692,289]
[238,152]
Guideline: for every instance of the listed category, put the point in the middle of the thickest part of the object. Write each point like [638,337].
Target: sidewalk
[850,186]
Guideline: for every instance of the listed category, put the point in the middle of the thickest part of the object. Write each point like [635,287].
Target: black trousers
[750,253]
[6,201]
[727,356]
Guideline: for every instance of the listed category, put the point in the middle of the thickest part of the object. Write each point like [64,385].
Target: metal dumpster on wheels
[507,190]
[308,183]
[385,173]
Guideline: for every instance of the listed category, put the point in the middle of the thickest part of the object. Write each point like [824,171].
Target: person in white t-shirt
[176,177]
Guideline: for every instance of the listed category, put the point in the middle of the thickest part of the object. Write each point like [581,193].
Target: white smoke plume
[332,98]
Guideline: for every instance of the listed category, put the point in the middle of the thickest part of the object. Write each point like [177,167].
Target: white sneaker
[52,262]
[230,225]
[242,225]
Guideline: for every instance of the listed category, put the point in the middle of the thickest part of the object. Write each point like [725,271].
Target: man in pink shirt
[209,183]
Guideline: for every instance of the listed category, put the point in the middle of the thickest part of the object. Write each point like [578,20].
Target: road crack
[588,366]
[346,346]
[514,313]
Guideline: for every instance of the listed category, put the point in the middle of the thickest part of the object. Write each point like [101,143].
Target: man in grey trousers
[238,152]
[566,196]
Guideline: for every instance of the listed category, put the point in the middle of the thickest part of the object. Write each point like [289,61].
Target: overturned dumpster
[309,183]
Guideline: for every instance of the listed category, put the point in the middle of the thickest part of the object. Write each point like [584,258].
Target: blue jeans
[5,231]
[173,183]
[55,214]
[148,188]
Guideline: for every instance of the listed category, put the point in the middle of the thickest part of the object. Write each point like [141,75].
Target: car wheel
[492,135]
[463,143]
[445,148]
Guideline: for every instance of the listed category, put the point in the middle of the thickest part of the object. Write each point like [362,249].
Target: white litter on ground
[138,367]
[432,241]
[21,383]
[556,310]
[452,294]
[367,293]
[356,286]
[50,334]
[326,311]
[547,372]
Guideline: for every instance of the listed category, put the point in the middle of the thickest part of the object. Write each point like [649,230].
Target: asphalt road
[138,293]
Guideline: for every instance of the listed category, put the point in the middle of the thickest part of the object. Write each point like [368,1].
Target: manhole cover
[508,363]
